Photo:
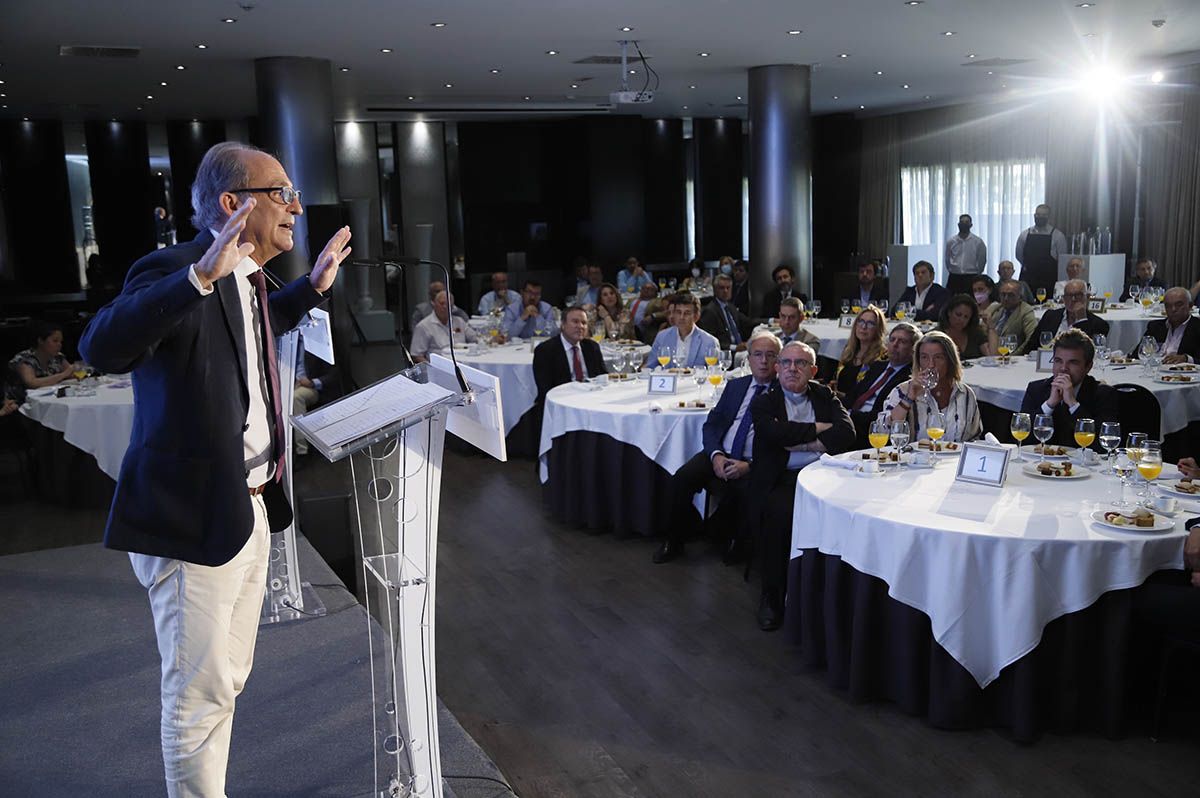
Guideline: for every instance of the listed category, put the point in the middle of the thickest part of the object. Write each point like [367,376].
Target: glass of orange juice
[664,356]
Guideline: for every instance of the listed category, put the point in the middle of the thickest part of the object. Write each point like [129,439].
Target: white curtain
[999,195]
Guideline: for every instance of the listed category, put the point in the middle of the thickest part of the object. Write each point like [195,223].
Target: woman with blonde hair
[862,350]
[611,313]
[936,382]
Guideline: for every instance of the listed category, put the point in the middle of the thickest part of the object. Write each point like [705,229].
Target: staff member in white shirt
[965,257]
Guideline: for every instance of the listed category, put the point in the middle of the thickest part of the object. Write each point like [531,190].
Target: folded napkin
[992,439]
[655,407]
[830,460]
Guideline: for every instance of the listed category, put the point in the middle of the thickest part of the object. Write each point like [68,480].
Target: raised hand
[326,268]
[225,253]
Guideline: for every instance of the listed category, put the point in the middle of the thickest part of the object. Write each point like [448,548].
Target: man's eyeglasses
[1007,295]
[767,355]
[1074,295]
[285,195]
[787,363]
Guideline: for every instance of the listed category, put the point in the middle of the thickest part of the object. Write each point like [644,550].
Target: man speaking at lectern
[198,493]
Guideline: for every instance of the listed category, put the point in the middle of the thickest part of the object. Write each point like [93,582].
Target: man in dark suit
[925,296]
[723,319]
[1073,313]
[569,356]
[1178,334]
[1143,277]
[869,291]
[722,467]
[794,424]
[785,280]
[741,285]
[198,492]
[865,399]
[1071,393]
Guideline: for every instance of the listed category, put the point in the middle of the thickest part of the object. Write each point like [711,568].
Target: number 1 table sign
[983,464]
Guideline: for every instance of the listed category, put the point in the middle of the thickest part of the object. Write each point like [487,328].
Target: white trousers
[206,621]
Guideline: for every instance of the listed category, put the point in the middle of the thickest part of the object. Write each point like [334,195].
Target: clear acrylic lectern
[393,432]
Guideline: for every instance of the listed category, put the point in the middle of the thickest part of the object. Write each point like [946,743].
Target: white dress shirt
[684,348]
[1174,339]
[431,335]
[966,255]
[569,348]
[743,409]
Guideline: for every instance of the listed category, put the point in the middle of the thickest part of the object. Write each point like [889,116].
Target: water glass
[1110,439]
[1045,339]
[1043,430]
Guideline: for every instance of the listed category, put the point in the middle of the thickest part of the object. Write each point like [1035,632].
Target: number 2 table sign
[983,464]
[662,383]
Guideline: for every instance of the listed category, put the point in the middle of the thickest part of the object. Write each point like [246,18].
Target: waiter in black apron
[1038,249]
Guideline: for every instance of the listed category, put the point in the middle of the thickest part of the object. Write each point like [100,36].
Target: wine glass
[1149,467]
[1124,468]
[1085,435]
[665,354]
[714,379]
[856,307]
[1041,295]
[816,307]
[935,428]
[1103,355]
[878,434]
[1110,439]
[1008,345]
[1043,430]
[1019,427]
[711,359]
[700,375]
[1148,347]
[882,305]
[1045,340]
[725,356]
[1135,291]
[845,306]
[900,436]
[901,310]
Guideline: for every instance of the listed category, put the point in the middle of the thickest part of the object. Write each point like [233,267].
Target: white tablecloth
[1004,386]
[622,411]
[990,567]
[99,425]
[1125,326]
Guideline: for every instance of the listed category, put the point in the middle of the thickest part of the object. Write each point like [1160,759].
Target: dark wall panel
[37,206]
[836,159]
[718,188]
[122,192]
[618,188]
[665,207]
[187,141]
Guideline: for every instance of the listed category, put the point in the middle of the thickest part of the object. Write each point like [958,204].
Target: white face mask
[727,269]
[980,298]
[695,272]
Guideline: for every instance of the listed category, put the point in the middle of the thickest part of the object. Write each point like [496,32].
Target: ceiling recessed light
[552,52]
[795,32]
[437,24]
[927,97]
[684,107]
[947,33]
[913,2]
[160,174]
[702,55]
[385,49]
[180,67]
[739,97]
[574,85]
[1084,5]
[1089,35]
[229,20]
[862,107]
[991,73]
[633,72]
[449,85]
[692,86]
[526,96]
[494,71]
[970,55]
[201,46]
[878,71]
[835,96]
[139,108]
[905,86]
[1004,85]
[1157,77]
[626,28]
[24,119]
[149,96]
[843,55]
[345,69]
[411,97]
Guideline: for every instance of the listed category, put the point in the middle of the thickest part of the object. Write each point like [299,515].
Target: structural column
[780,175]
[295,116]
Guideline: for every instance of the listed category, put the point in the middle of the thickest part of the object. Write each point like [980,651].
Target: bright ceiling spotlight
[1103,83]
[1157,77]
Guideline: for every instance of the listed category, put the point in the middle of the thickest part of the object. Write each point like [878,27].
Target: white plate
[1032,471]
[1169,489]
[857,457]
[1177,379]
[1029,453]
[679,409]
[1161,524]
[942,452]
[1180,368]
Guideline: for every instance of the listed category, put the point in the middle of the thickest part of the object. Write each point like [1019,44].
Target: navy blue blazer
[721,417]
[181,492]
[935,298]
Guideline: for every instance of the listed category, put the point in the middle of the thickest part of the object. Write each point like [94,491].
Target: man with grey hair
[423,309]
[500,297]
[1075,271]
[722,465]
[1073,313]
[795,422]
[1011,315]
[199,489]
[438,329]
[1178,334]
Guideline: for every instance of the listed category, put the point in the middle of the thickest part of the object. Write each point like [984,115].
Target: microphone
[381,264]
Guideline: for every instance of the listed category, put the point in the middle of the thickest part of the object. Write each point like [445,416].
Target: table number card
[847,321]
[1096,304]
[662,383]
[1045,360]
[983,464]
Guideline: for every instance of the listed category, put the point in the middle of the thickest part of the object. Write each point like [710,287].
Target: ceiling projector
[631,97]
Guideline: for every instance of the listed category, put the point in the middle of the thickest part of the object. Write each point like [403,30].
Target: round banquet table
[606,460]
[969,604]
[1126,325]
[1004,387]
[99,425]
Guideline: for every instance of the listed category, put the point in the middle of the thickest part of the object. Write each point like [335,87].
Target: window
[999,195]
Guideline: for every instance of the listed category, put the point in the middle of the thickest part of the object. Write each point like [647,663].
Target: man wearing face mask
[965,257]
[1038,249]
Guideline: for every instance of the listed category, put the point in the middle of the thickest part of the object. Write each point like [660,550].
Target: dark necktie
[259,282]
[577,363]
[734,336]
[743,431]
[874,389]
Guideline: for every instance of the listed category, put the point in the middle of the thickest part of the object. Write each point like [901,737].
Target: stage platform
[80,704]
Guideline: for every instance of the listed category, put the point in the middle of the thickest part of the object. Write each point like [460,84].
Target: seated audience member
[684,342]
[423,309]
[795,421]
[1005,270]
[1074,272]
[655,318]
[1012,315]
[870,292]
[984,292]
[305,396]
[529,315]
[432,335]
[960,320]
[926,296]
[740,272]
[698,278]
[639,306]
[569,356]
[43,364]
[1169,600]
[631,279]
[8,407]
[500,297]
[862,350]
[1178,334]
[723,465]
[1143,277]
[579,281]
[865,400]
[954,399]
[1071,393]
[611,317]
[589,294]
[1073,313]
[784,288]
[791,314]
[723,319]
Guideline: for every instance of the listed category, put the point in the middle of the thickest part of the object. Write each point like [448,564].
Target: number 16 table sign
[983,464]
